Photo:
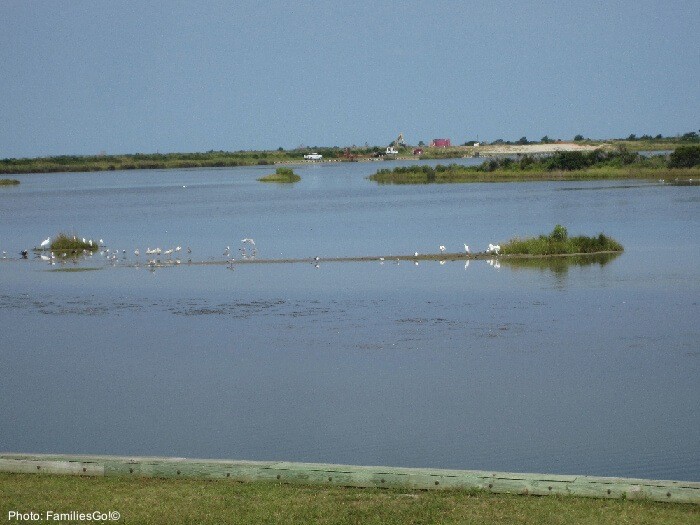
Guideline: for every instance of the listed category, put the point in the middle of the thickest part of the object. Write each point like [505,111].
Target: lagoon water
[586,370]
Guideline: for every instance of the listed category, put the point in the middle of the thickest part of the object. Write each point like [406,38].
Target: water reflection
[559,266]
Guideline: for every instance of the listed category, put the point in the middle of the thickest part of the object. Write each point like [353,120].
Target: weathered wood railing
[355,476]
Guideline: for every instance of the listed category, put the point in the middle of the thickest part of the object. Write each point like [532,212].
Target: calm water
[590,370]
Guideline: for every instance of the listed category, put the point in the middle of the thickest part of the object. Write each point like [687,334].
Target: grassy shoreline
[223,159]
[682,164]
[153,501]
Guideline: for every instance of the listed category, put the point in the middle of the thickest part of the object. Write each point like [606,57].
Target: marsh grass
[282,175]
[9,182]
[559,243]
[72,245]
[179,501]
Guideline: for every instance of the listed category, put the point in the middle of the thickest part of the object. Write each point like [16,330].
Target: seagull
[168,252]
[178,248]
[251,241]
[415,254]
[45,242]
[189,250]
[136,252]
[442,249]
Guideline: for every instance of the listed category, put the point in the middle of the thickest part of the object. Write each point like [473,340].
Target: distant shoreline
[222,159]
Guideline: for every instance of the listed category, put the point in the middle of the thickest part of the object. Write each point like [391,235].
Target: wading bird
[45,242]
[442,249]
[466,249]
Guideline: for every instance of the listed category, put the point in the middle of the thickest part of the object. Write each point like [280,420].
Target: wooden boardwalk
[354,476]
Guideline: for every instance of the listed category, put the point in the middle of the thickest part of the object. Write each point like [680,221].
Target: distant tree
[659,136]
[645,137]
[545,140]
[685,157]
[632,137]
[690,137]
[421,143]
[498,141]
[280,148]
[578,138]
[523,141]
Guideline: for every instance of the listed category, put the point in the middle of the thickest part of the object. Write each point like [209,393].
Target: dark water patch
[241,310]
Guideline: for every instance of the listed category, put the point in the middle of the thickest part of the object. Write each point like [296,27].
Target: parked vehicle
[313,156]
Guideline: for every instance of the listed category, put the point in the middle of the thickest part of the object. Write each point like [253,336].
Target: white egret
[45,242]
[136,252]
[415,254]
[249,241]
[466,249]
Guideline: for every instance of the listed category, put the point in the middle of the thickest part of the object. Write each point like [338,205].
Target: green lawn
[180,501]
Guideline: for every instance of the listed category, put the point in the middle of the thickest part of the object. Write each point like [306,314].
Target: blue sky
[80,77]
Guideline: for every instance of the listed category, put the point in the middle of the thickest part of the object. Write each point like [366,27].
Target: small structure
[313,156]
[418,151]
[440,143]
[391,151]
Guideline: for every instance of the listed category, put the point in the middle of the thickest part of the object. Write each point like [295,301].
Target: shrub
[559,233]
[685,157]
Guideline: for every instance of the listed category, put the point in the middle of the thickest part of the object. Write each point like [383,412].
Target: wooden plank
[355,476]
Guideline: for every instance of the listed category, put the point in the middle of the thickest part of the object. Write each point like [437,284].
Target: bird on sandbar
[45,242]
[442,249]
[466,249]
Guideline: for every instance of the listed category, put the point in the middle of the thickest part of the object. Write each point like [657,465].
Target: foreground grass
[156,501]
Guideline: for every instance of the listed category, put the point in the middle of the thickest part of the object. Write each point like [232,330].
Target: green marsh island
[282,176]
[558,242]
[9,182]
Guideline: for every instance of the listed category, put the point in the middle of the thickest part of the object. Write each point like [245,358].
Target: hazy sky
[80,77]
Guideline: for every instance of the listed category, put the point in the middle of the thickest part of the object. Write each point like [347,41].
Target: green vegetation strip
[682,164]
[355,476]
[9,182]
[150,501]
